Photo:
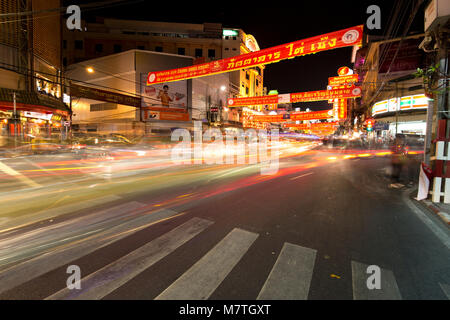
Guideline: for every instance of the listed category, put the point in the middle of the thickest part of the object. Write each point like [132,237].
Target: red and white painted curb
[442,215]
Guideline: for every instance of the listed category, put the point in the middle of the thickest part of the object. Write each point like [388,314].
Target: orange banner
[352,92]
[334,81]
[338,39]
[253,101]
[313,126]
[164,114]
[315,115]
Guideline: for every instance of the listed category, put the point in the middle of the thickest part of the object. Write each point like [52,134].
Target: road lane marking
[10,171]
[200,281]
[388,291]
[446,289]
[107,279]
[303,175]
[35,267]
[291,274]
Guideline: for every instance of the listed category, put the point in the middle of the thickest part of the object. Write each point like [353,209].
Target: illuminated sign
[338,39]
[345,71]
[419,101]
[315,115]
[352,92]
[250,43]
[350,79]
[228,32]
[37,115]
[312,126]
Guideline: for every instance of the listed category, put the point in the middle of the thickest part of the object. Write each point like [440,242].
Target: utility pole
[15,120]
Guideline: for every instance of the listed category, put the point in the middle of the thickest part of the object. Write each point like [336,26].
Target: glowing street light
[90,69]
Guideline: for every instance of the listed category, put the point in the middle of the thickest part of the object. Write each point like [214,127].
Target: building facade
[203,42]
[162,107]
[391,93]
[31,77]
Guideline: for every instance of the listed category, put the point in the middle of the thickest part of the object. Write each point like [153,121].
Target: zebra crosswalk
[290,277]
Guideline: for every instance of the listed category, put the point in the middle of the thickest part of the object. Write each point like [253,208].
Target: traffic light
[369,125]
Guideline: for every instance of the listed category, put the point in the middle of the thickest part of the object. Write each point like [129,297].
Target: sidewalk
[439,210]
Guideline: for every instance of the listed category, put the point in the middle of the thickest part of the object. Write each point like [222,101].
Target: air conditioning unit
[437,12]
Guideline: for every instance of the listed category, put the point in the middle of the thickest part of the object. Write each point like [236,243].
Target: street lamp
[90,69]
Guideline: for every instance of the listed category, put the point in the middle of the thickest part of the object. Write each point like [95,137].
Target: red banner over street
[338,39]
[315,115]
[352,92]
[312,126]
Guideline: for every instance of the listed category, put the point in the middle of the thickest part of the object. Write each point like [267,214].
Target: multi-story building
[391,94]
[30,70]
[160,108]
[204,42]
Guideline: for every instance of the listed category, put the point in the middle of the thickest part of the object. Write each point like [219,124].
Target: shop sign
[37,115]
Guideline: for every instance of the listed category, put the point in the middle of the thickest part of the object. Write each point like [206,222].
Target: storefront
[401,115]
[35,117]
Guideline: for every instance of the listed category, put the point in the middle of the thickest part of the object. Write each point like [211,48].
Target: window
[181,51]
[99,47]
[226,49]
[141,47]
[79,44]
[198,53]
[247,76]
[117,48]
[246,90]
[158,49]
[211,53]
[234,38]
[257,82]
[234,49]
[227,37]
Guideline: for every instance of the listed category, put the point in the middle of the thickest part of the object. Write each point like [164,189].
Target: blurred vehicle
[46,145]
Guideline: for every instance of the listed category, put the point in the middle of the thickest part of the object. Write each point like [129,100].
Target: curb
[442,216]
[445,217]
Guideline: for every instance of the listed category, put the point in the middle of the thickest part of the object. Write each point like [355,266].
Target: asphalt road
[310,231]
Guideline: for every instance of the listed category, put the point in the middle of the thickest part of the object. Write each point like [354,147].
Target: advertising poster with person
[164,101]
[170,95]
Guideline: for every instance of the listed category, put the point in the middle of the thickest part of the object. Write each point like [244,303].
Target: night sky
[273,23]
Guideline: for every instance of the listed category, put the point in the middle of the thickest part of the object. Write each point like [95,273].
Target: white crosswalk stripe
[200,281]
[291,275]
[104,281]
[289,278]
[446,289]
[388,289]
[44,263]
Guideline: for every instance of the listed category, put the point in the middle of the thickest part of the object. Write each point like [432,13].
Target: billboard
[164,101]
[333,40]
